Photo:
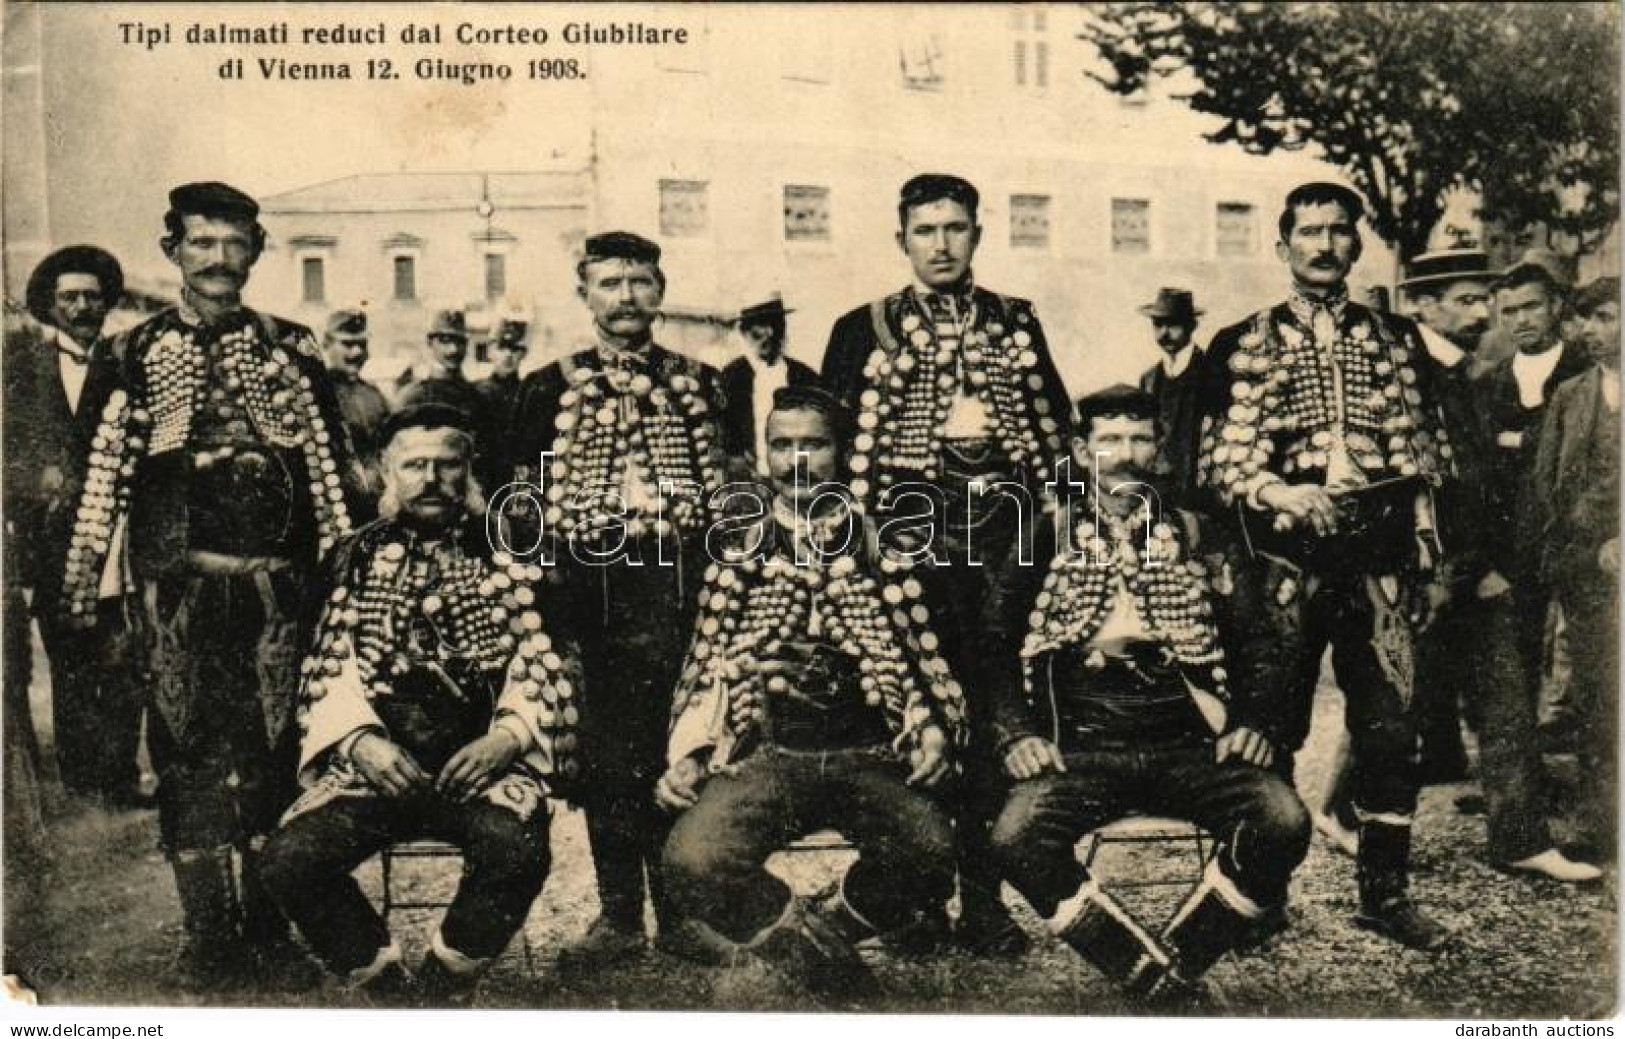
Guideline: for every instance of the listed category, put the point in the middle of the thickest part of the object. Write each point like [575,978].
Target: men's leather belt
[221,565]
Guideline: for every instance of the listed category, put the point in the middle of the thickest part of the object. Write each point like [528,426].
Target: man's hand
[473,768]
[386,766]
[1608,557]
[1033,756]
[1492,584]
[1302,503]
[679,788]
[1435,597]
[1246,744]
[930,759]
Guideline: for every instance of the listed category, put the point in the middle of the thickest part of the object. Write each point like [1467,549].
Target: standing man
[360,402]
[96,700]
[1328,442]
[749,382]
[954,388]
[1509,405]
[808,703]
[501,388]
[423,714]
[446,384]
[622,437]
[1175,383]
[1571,518]
[218,477]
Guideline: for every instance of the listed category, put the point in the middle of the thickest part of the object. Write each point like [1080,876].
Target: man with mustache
[95,700]
[1175,381]
[1571,511]
[749,382]
[1127,684]
[218,476]
[1324,434]
[434,703]
[956,395]
[1508,403]
[360,402]
[807,704]
[622,437]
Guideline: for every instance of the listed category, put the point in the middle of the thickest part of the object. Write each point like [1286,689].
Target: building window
[1030,47]
[684,209]
[1235,229]
[920,58]
[1131,225]
[806,213]
[496,276]
[1029,221]
[406,279]
[314,278]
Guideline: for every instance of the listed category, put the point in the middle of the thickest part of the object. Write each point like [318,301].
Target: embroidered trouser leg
[718,847]
[307,867]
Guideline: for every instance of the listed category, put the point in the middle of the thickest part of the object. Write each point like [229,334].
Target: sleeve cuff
[513,725]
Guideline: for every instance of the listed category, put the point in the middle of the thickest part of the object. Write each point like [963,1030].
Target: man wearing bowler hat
[1174,381]
[217,478]
[749,382]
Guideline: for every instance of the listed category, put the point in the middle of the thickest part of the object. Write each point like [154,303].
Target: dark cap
[75,259]
[449,323]
[428,415]
[770,310]
[1173,305]
[811,397]
[511,333]
[1120,399]
[347,323]
[933,187]
[214,199]
[621,245]
[1448,265]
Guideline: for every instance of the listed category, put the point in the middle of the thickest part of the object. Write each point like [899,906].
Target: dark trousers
[718,847]
[96,701]
[634,630]
[1508,655]
[1254,814]
[1308,613]
[1591,607]
[225,759]
[306,866]
[1448,683]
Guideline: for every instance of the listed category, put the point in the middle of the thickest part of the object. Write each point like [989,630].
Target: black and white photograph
[1069,511]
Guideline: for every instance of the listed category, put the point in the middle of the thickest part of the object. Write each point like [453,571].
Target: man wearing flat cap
[501,388]
[1508,407]
[749,382]
[622,439]
[219,474]
[362,404]
[1175,383]
[954,390]
[1323,433]
[433,702]
[446,384]
[95,699]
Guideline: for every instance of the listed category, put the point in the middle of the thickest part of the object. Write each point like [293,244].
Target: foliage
[1516,101]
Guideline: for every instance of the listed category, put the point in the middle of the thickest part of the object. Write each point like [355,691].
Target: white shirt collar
[1531,372]
[1440,348]
[1174,365]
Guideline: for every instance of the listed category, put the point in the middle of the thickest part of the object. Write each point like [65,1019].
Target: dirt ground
[101,923]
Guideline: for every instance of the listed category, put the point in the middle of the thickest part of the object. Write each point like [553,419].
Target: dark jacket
[1179,406]
[739,418]
[1565,468]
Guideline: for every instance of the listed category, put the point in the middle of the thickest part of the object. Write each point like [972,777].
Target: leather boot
[1214,919]
[212,954]
[1383,867]
[1103,932]
[448,978]
[809,947]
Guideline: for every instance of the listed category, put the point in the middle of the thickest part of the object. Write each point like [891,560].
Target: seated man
[433,705]
[813,698]
[1114,701]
